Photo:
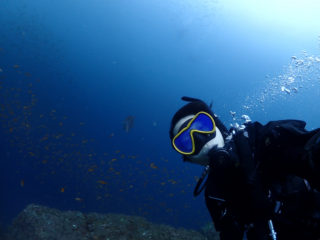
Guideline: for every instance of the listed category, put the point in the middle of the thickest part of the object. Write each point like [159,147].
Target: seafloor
[42,223]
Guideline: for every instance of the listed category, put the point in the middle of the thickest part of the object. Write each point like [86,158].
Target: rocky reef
[42,223]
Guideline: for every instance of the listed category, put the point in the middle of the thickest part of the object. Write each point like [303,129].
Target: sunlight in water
[300,15]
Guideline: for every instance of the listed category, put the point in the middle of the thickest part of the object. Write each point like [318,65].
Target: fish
[128,123]
[102,182]
[172,181]
[152,165]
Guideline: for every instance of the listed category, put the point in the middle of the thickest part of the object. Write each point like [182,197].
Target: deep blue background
[72,71]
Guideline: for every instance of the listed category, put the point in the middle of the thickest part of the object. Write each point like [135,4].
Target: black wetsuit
[256,158]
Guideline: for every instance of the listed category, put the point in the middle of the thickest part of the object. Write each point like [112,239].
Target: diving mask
[184,142]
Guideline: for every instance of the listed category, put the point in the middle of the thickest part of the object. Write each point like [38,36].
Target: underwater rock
[2,232]
[210,232]
[42,223]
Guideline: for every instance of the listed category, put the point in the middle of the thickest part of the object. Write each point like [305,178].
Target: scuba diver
[260,181]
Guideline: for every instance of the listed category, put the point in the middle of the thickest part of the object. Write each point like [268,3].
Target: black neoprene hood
[192,108]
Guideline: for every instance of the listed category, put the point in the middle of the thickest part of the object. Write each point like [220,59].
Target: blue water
[72,71]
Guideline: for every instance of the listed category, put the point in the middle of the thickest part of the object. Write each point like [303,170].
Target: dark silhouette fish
[128,123]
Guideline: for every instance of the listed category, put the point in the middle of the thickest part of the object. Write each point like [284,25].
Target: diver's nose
[200,139]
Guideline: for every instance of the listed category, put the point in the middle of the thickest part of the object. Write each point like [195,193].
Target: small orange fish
[172,181]
[44,138]
[78,199]
[22,183]
[102,182]
[152,165]
[59,136]
[16,66]
[62,190]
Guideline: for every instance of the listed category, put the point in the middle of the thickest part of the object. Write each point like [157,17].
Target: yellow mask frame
[187,128]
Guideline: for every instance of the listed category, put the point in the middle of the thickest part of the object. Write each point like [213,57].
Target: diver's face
[202,157]
[201,160]
[203,142]
[194,139]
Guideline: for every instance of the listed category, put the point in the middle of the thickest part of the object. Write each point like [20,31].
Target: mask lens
[183,142]
[202,123]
